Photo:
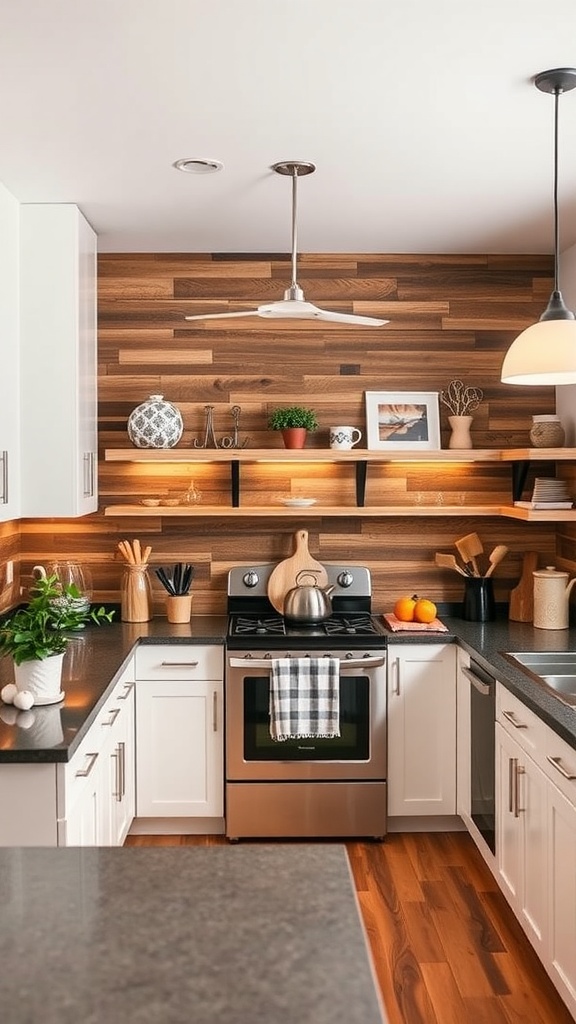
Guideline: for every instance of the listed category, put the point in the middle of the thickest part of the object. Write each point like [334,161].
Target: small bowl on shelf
[150,502]
[298,502]
[170,502]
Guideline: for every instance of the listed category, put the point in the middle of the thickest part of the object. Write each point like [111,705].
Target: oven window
[352,745]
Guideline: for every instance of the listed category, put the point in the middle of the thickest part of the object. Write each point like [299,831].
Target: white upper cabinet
[58,361]
[9,359]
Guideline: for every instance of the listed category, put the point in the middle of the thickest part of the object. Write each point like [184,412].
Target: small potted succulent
[294,421]
[36,637]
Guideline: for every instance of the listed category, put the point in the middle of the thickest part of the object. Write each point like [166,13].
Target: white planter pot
[43,679]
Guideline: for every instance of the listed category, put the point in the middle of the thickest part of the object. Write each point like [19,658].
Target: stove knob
[346,579]
[251,579]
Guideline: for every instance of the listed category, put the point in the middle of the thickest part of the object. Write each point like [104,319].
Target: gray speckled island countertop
[257,934]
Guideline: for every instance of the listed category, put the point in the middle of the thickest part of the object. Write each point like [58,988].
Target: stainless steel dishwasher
[482,751]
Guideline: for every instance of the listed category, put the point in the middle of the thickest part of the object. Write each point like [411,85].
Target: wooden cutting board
[283,576]
[521,608]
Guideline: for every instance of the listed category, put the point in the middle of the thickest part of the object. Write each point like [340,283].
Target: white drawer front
[520,722]
[74,775]
[179,661]
[561,764]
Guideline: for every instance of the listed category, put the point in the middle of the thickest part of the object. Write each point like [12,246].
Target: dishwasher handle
[484,688]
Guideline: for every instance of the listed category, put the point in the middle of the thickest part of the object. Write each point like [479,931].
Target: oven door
[358,753]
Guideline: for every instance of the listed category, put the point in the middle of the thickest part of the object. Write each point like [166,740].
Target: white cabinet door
[58,361]
[421,729]
[521,845]
[9,358]
[560,766]
[463,738]
[121,754]
[179,754]
[562,895]
[87,820]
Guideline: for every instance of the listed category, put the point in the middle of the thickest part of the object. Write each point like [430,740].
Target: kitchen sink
[556,670]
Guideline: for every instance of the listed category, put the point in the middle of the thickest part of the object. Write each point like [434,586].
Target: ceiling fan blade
[299,309]
[350,318]
[221,316]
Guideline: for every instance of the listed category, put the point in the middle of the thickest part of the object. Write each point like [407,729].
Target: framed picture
[401,420]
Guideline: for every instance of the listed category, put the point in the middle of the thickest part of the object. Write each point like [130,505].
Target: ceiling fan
[293,305]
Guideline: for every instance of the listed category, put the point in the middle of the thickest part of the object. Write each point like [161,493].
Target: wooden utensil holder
[136,600]
[179,607]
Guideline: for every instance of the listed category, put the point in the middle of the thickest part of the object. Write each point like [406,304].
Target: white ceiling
[420,115]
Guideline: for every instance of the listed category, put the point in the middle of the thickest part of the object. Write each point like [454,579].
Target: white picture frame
[402,420]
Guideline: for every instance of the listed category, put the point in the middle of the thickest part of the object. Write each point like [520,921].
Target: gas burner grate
[351,624]
[250,625]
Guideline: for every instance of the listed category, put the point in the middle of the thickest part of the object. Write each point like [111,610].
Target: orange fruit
[404,608]
[424,610]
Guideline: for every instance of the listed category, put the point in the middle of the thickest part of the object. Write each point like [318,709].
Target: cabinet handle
[89,475]
[512,762]
[511,717]
[122,753]
[557,764]
[4,494]
[127,691]
[113,716]
[179,664]
[117,792]
[215,711]
[92,758]
[519,771]
[396,677]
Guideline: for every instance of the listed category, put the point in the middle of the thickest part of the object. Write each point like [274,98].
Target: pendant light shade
[545,353]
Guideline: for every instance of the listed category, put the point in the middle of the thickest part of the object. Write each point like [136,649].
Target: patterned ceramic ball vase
[155,424]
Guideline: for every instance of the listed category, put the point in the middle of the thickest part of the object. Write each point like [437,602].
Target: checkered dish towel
[304,698]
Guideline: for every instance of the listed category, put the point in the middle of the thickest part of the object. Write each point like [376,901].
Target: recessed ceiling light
[198,165]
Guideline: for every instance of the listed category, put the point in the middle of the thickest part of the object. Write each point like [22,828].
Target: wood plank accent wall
[451,316]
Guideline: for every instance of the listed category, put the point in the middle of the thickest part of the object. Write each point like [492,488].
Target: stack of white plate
[550,489]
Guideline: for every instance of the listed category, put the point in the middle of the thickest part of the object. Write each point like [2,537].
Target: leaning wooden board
[283,576]
[521,607]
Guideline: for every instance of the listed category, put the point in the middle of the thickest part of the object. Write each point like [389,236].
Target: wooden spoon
[468,548]
[448,561]
[495,557]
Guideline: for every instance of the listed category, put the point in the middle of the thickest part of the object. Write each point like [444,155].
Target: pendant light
[545,353]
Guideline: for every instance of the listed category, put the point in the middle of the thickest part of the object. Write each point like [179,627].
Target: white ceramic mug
[344,438]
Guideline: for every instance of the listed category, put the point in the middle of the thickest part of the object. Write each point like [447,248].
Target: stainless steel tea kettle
[307,602]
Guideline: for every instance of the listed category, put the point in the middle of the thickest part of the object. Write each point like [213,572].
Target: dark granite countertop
[250,934]
[93,662]
[486,641]
[96,658]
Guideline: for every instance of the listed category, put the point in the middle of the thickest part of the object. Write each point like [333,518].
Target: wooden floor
[446,947]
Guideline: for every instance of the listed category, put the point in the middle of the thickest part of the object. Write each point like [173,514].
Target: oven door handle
[345,663]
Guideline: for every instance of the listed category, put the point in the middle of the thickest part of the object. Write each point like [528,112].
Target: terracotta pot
[294,437]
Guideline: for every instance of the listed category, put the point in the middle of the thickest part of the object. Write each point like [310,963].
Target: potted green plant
[36,636]
[294,421]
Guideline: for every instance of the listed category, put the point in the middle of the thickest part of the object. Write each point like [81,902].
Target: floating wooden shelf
[298,455]
[272,511]
[521,458]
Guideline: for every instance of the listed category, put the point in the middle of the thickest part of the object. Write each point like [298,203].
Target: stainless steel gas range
[322,787]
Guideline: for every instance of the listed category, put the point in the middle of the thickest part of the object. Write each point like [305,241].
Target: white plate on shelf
[298,502]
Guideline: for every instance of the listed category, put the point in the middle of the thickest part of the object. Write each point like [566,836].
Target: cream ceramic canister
[547,432]
[551,596]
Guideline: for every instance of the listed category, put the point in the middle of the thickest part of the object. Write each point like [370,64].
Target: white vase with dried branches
[461,401]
